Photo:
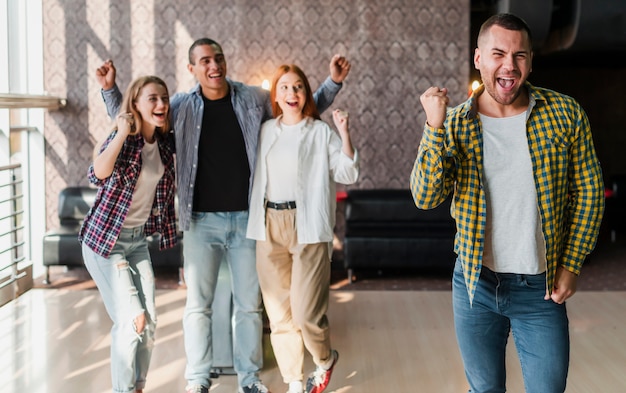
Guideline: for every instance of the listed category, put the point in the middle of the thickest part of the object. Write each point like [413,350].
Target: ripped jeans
[126,283]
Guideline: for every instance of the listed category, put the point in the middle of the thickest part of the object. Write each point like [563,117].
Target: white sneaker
[320,378]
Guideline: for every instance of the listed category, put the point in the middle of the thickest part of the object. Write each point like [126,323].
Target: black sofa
[385,230]
[61,246]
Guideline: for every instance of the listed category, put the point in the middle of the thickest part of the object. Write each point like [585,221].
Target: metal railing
[11,230]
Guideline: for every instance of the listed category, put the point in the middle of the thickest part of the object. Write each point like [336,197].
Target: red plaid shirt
[104,220]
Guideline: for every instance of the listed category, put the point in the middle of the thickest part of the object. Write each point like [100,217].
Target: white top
[321,163]
[513,239]
[143,196]
[282,164]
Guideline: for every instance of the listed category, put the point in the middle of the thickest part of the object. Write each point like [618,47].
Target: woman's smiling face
[153,105]
[291,93]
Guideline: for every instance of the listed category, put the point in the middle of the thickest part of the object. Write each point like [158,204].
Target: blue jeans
[211,239]
[126,283]
[503,303]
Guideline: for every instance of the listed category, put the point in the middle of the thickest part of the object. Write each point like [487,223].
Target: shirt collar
[470,106]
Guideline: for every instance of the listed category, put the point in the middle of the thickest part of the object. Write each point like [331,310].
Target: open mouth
[506,83]
[215,75]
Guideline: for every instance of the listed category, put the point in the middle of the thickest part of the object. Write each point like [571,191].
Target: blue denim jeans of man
[211,239]
[125,281]
[513,303]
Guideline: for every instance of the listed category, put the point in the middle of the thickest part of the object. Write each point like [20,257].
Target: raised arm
[111,94]
[104,162]
[432,176]
[325,94]
[340,119]
[343,157]
[105,75]
[339,68]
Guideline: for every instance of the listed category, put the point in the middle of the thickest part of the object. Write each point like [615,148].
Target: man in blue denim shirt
[216,128]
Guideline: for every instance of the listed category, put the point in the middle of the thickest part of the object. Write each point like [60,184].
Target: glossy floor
[57,341]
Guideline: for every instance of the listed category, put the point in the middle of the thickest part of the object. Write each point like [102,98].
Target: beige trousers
[294,280]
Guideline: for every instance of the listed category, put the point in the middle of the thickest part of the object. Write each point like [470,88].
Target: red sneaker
[320,378]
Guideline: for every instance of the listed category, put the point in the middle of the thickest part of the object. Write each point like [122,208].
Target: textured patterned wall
[397,47]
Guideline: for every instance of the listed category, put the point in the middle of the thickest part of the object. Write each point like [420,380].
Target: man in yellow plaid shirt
[528,202]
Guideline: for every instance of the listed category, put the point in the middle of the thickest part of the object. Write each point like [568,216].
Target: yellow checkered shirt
[567,174]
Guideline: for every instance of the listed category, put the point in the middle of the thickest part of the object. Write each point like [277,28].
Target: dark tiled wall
[398,48]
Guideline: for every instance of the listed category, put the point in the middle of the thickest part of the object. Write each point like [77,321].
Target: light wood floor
[57,341]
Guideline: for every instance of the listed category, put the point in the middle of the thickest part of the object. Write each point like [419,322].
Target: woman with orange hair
[292,216]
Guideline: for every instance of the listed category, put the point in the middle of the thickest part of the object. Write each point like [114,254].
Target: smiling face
[504,59]
[291,95]
[153,104]
[208,65]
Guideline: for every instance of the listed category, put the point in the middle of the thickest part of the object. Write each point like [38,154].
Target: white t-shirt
[282,164]
[513,239]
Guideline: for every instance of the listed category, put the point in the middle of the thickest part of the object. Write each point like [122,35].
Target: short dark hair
[199,42]
[506,21]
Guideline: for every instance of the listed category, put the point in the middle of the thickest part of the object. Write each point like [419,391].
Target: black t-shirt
[223,174]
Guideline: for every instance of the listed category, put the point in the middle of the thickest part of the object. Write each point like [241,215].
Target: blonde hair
[128,106]
[130,97]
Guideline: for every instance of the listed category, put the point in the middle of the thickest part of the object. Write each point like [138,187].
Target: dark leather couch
[61,245]
[385,230]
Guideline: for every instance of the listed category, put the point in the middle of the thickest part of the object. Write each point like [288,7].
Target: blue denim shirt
[252,107]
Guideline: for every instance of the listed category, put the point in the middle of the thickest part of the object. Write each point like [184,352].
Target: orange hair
[310,109]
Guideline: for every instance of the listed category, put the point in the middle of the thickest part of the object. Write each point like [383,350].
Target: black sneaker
[256,387]
[320,378]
